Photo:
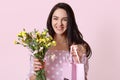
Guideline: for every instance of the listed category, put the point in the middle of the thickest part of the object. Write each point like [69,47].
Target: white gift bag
[78,72]
[74,71]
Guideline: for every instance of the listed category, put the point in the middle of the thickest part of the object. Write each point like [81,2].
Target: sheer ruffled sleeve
[31,68]
[84,60]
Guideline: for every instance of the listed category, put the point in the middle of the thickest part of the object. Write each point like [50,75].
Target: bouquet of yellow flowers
[38,43]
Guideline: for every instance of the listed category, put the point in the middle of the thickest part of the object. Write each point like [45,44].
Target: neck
[60,39]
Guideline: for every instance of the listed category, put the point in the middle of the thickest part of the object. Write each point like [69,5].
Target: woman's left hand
[77,51]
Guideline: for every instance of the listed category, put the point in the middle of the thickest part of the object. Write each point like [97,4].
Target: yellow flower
[22,34]
[42,40]
[15,42]
[24,44]
[47,45]
[44,33]
[37,33]
[53,43]
[50,38]
[37,40]
[47,39]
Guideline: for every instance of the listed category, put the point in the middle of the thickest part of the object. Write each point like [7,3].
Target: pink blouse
[58,65]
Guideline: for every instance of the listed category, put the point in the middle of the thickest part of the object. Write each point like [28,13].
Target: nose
[60,22]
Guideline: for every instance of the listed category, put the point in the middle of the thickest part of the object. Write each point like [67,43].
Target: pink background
[98,20]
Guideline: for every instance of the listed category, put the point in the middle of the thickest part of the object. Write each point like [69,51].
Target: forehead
[60,13]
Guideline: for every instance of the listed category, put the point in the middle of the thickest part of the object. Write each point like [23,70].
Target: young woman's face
[59,21]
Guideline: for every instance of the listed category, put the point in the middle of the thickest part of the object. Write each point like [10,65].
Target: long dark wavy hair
[72,33]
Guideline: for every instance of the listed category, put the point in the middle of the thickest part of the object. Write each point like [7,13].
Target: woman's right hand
[37,65]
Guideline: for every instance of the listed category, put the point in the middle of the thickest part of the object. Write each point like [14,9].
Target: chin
[60,33]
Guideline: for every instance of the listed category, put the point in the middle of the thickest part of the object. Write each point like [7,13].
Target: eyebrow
[58,17]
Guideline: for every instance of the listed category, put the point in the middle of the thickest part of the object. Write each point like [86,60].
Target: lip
[59,28]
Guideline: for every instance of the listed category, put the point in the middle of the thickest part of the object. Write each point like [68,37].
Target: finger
[36,60]
[73,49]
[37,63]
[36,68]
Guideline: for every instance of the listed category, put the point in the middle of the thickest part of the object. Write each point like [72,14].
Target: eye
[55,18]
[65,19]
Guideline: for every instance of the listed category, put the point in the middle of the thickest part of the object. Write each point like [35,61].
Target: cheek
[53,22]
[65,24]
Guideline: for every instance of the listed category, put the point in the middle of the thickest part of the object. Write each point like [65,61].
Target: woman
[62,27]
